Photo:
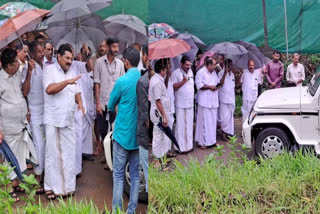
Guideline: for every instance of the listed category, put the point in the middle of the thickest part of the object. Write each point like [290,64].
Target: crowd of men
[207,97]
[49,107]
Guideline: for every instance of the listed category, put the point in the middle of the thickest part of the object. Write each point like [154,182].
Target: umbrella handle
[158,115]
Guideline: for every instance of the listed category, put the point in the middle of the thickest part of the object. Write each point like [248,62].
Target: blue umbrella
[11,158]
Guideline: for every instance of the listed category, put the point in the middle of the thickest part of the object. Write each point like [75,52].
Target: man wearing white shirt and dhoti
[208,102]
[160,103]
[33,89]
[226,100]
[13,116]
[250,80]
[61,94]
[183,84]
[295,72]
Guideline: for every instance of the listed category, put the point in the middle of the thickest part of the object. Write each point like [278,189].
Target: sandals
[40,190]
[171,155]
[14,196]
[98,149]
[18,189]
[50,195]
[29,166]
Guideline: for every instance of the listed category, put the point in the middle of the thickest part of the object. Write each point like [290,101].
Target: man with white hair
[295,72]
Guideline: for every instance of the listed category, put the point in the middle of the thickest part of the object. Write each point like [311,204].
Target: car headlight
[252,115]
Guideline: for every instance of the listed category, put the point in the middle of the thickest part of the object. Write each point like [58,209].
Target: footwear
[40,190]
[29,166]
[224,137]
[14,196]
[50,195]
[18,189]
[88,157]
[171,155]
[98,149]
[203,147]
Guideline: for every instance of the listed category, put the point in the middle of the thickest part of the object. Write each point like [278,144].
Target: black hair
[47,42]
[199,52]
[227,62]
[132,55]
[185,58]
[63,48]
[39,37]
[276,52]
[159,66]
[220,55]
[112,40]
[8,56]
[33,46]
[145,49]
[81,49]
[208,60]
[19,45]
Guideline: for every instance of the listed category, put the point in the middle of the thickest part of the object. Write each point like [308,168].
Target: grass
[237,111]
[285,184]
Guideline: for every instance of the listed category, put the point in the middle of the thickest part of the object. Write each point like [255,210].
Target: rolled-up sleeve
[97,73]
[157,92]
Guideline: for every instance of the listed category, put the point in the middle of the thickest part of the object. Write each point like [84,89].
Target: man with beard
[274,71]
[61,95]
[32,89]
[107,70]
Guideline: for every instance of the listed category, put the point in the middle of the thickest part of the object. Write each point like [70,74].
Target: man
[13,115]
[160,103]
[221,62]
[295,72]
[183,84]
[143,114]
[125,147]
[22,50]
[32,89]
[107,70]
[274,71]
[227,100]
[250,80]
[40,38]
[61,95]
[48,54]
[138,47]
[208,102]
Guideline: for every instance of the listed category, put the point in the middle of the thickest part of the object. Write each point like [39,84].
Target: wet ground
[95,184]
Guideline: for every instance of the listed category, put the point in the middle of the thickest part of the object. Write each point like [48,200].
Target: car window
[315,82]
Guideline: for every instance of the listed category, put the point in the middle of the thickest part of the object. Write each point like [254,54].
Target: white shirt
[59,108]
[226,92]
[207,98]
[250,83]
[170,92]
[46,62]
[184,96]
[295,73]
[35,96]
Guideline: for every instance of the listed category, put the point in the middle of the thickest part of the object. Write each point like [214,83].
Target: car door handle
[305,117]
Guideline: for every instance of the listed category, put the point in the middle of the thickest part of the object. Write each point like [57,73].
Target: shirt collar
[6,75]
[60,69]
[107,61]
[159,76]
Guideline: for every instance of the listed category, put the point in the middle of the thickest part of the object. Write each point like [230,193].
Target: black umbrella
[167,130]
[11,158]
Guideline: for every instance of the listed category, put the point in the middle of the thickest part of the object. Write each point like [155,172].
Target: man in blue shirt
[125,147]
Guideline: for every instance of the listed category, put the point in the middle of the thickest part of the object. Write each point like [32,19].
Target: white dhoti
[78,118]
[87,127]
[60,159]
[184,128]
[38,137]
[246,108]
[206,126]
[226,119]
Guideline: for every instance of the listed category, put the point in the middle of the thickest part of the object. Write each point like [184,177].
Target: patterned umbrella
[157,31]
[12,9]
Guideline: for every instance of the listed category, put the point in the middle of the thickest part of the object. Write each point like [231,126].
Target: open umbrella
[241,60]
[228,48]
[12,9]
[158,31]
[167,130]
[20,24]
[11,158]
[88,29]
[186,36]
[69,9]
[208,53]
[167,48]
[127,28]
[252,48]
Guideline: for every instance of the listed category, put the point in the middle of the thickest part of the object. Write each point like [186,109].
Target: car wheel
[143,195]
[271,142]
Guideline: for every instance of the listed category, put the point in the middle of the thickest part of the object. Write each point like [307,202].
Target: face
[39,54]
[65,60]
[221,59]
[22,54]
[103,48]
[145,60]
[212,67]
[251,66]
[276,57]
[113,49]
[41,41]
[24,37]
[296,60]
[163,72]
[48,51]
[13,67]
[199,56]
[186,66]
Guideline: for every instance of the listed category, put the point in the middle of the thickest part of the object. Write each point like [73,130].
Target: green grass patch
[237,111]
[287,183]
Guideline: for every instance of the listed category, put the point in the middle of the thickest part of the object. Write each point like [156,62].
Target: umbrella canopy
[3,21]
[227,48]
[69,9]
[127,28]
[208,53]
[241,60]
[11,158]
[167,48]
[186,36]
[20,24]
[12,9]
[88,29]
[157,31]
[252,48]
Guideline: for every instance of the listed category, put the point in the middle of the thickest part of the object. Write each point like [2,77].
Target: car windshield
[315,82]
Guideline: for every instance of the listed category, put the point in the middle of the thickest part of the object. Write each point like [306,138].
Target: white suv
[285,119]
